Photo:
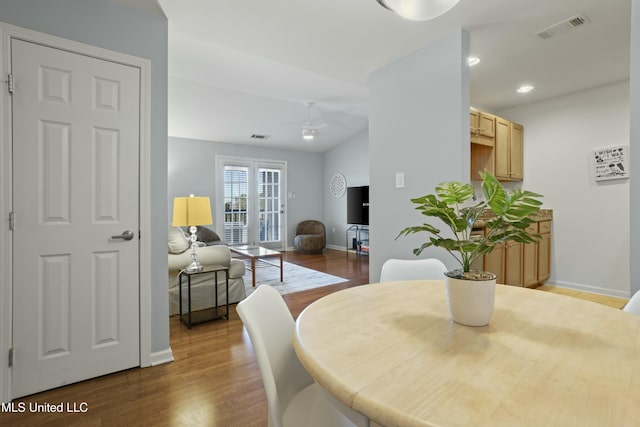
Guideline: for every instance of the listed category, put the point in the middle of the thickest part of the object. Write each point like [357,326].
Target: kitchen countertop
[543,215]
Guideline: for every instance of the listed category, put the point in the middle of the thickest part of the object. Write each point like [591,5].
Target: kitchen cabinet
[516,154]
[530,260]
[494,263]
[501,151]
[508,150]
[497,146]
[483,127]
[544,251]
[482,131]
[517,264]
[481,160]
[513,264]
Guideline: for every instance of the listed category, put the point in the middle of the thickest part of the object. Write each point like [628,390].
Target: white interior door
[75,185]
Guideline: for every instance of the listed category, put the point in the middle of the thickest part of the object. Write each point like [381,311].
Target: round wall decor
[337,185]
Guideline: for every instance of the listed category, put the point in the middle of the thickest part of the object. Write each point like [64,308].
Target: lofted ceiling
[244,67]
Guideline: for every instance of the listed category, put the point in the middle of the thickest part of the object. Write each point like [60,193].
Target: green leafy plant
[510,214]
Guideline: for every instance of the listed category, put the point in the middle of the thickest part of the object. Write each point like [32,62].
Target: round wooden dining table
[391,352]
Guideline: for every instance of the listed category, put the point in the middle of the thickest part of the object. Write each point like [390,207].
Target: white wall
[191,170]
[351,159]
[418,125]
[111,26]
[590,234]
[635,145]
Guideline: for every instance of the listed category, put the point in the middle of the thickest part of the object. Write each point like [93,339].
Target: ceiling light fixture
[525,89]
[418,10]
[473,60]
[308,134]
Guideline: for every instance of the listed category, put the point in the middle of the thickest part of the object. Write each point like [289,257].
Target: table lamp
[191,211]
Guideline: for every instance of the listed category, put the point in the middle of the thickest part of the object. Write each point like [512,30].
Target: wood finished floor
[214,380]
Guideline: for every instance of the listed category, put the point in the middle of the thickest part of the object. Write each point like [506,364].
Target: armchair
[311,237]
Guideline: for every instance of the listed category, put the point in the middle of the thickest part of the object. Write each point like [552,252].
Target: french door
[250,202]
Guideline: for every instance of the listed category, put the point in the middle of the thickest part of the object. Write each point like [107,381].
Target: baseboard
[589,288]
[160,357]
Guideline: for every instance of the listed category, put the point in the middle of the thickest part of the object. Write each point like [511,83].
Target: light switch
[399,179]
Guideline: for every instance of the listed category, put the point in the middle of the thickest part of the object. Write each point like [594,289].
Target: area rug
[296,278]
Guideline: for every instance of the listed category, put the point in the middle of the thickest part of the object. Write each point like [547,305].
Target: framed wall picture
[611,163]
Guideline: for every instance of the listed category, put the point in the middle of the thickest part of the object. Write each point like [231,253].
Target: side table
[210,313]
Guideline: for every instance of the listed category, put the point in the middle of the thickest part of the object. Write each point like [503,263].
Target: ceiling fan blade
[318,125]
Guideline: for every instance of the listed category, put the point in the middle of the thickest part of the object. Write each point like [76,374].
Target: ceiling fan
[309,129]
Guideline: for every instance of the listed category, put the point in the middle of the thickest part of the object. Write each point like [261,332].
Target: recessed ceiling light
[473,60]
[525,89]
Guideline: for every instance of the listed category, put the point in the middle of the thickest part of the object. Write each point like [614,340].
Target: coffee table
[254,253]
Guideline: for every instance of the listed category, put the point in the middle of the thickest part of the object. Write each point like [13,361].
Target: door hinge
[11,220]
[11,357]
[10,83]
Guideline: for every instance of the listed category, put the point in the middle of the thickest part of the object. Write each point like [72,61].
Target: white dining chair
[633,305]
[294,399]
[412,269]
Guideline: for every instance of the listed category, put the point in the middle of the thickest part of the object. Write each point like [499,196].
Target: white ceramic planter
[470,302]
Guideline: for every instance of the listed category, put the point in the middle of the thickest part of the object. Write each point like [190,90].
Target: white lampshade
[419,10]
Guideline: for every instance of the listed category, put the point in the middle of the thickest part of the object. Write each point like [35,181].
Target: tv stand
[358,240]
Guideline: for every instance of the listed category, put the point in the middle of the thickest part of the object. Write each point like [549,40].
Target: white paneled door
[75,198]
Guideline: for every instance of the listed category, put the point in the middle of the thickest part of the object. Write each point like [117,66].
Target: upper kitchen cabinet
[508,150]
[483,127]
[516,156]
[501,151]
[496,146]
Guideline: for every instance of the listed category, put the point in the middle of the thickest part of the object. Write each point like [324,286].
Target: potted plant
[508,214]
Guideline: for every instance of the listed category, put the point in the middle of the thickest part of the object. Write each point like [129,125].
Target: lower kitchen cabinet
[513,264]
[494,263]
[530,265]
[517,264]
[544,251]
[530,260]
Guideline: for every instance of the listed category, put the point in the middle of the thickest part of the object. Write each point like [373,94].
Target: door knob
[126,235]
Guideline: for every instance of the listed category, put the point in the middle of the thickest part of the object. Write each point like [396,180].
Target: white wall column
[634,185]
[418,126]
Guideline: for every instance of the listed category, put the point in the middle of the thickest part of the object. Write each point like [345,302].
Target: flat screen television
[358,205]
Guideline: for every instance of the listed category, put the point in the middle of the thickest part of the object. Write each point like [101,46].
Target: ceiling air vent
[258,136]
[562,27]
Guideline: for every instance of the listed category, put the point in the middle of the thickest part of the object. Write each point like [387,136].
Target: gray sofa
[202,292]
[206,236]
